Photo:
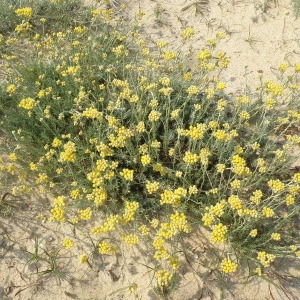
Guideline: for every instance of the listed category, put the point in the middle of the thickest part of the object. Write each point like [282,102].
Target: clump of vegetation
[145,146]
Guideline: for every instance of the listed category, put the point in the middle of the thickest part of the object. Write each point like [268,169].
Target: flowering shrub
[121,134]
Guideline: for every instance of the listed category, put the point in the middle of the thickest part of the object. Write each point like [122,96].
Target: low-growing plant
[150,148]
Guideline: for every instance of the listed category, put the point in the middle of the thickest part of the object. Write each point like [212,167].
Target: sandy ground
[261,35]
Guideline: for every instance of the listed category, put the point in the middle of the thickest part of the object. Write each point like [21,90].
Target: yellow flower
[282,67]
[276,185]
[221,35]
[152,187]
[83,258]
[163,277]
[130,210]
[256,196]
[187,33]
[275,236]
[219,234]
[192,90]
[235,202]
[106,248]
[220,168]
[290,199]
[144,230]
[154,116]
[193,190]
[265,258]
[221,86]
[28,103]
[253,233]
[165,81]
[130,239]
[228,266]
[11,89]
[297,177]
[244,115]
[85,214]
[204,54]
[145,160]
[190,158]
[127,174]
[236,184]
[68,243]
[24,12]
[268,212]
[169,55]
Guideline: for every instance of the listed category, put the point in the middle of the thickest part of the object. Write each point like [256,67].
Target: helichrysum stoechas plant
[119,132]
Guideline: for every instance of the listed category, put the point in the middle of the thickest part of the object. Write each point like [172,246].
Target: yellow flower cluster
[275,236]
[239,166]
[92,113]
[131,239]
[169,55]
[28,103]
[223,135]
[127,174]
[253,233]
[119,141]
[244,115]
[104,150]
[83,258]
[172,198]
[276,186]
[228,266]
[235,202]
[256,196]
[261,163]
[106,248]
[68,243]
[109,225]
[178,223]
[161,251]
[265,258]
[296,177]
[130,210]
[274,89]
[197,132]
[165,81]
[290,199]
[145,160]
[268,212]
[204,54]
[219,233]
[269,103]
[190,158]
[164,278]
[68,155]
[192,90]
[11,89]
[174,262]
[243,99]
[187,33]
[24,12]
[86,214]
[58,210]
[160,168]
[144,230]
[154,116]
[23,27]
[140,127]
[235,184]
[208,219]
[152,187]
